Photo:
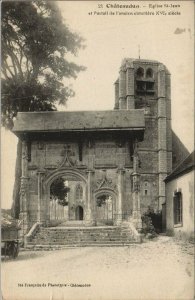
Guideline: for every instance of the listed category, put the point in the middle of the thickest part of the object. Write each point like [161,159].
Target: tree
[59,191]
[35,40]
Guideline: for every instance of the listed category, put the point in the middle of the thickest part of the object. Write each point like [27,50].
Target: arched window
[79,192]
[149,73]
[140,73]
[146,188]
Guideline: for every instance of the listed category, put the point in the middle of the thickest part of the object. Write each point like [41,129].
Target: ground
[161,269]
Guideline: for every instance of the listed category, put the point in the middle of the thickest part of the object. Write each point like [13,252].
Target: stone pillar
[130,88]
[89,218]
[136,193]
[162,134]
[168,115]
[120,196]
[116,94]
[122,89]
[40,192]
[24,191]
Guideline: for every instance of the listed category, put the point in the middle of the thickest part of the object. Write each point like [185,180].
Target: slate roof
[179,151]
[79,121]
[186,166]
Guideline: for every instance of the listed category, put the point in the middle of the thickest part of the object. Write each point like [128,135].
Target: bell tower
[145,84]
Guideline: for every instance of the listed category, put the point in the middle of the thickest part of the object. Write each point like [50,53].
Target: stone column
[120,196]
[122,89]
[136,193]
[89,219]
[130,88]
[24,191]
[162,134]
[168,115]
[116,94]
[40,178]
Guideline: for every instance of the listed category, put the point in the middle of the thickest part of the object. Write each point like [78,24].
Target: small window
[177,208]
[79,192]
[140,73]
[146,192]
[149,73]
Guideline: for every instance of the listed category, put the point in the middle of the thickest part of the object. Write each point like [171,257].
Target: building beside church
[115,161]
[180,200]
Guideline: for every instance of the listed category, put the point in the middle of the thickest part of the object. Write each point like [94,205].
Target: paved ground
[158,269]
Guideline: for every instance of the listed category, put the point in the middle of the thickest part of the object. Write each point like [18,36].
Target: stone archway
[105,201]
[74,179]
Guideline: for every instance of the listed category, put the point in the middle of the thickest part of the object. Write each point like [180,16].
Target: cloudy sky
[110,38]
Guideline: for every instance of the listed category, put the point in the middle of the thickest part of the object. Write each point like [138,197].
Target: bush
[151,223]
[147,226]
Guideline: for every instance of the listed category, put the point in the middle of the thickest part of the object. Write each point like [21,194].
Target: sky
[110,38]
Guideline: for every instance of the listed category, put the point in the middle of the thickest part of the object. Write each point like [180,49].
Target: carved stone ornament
[68,160]
[41,145]
[104,183]
[23,187]
[90,143]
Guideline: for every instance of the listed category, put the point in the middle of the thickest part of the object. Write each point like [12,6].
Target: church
[114,162]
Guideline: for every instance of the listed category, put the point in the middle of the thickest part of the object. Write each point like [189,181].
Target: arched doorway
[77,194]
[58,206]
[79,213]
[105,208]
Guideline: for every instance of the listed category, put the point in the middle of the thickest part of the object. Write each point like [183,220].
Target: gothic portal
[114,162]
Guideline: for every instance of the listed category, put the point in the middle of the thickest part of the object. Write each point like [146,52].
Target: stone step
[73,229]
[61,241]
[69,246]
[82,236]
[83,239]
[83,243]
[74,245]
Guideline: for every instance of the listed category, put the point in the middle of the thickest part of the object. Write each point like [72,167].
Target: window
[140,73]
[144,87]
[150,86]
[79,192]
[149,73]
[177,208]
[146,188]
[145,82]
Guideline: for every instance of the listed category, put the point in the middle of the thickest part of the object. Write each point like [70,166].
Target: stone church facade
[115,162]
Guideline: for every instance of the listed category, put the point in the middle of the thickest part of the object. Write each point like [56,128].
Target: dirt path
[160,269]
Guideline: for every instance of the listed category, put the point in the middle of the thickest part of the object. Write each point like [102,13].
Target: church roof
[79,121]
[186,166]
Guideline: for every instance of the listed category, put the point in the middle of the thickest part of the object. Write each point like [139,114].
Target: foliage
[35,41]
[156,218]
[147,225]
[101,200]
[59,191]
